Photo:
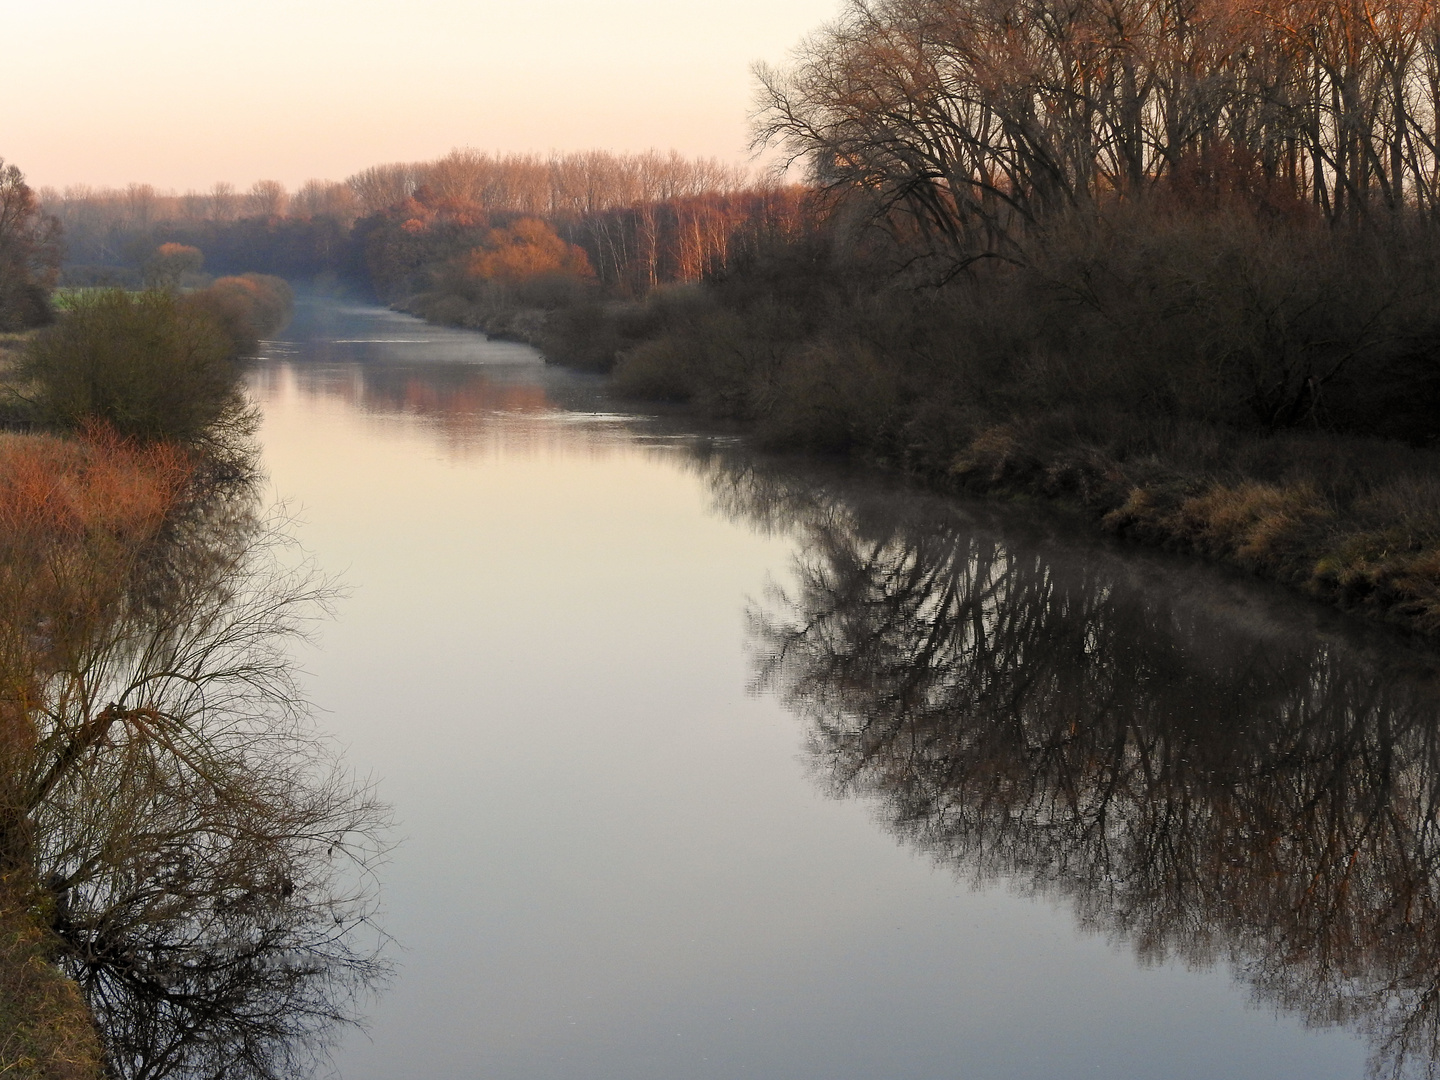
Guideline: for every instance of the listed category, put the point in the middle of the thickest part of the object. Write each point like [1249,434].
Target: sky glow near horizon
[182,96]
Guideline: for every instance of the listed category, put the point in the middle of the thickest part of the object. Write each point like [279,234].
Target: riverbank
[125,412]
[817,364]
[1352,523]
[46,1032]
[78,518]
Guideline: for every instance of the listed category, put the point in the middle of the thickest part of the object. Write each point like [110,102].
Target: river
[712,766]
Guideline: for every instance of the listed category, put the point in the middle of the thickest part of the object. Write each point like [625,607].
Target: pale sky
[183,94]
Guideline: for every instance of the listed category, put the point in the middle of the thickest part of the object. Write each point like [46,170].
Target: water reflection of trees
[1192,776]
[456,397]
[205,862]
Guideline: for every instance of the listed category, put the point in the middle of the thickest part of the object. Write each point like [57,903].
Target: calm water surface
[709,767]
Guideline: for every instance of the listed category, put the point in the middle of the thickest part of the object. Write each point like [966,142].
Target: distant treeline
[641,220]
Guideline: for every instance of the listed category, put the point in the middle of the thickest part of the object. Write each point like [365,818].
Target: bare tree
[975,120]
[224,204]
[266,198]
[325,198]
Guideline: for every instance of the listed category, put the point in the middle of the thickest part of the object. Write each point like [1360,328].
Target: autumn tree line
[641,220]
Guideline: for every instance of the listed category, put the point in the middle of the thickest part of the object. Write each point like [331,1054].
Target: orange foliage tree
[523,251]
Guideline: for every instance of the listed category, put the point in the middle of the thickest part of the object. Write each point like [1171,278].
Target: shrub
[149,366]
[23,304]
[592,336]
[655,370]
[831,398]
[29,254]
[248,308]
[77,517]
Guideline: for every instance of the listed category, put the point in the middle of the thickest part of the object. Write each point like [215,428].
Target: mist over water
[709,766]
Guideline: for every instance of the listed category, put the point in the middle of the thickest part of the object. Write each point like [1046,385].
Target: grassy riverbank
[1354,523]
[45,1029]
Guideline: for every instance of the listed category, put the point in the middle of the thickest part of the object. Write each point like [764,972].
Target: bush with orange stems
[528,249]
[155,764]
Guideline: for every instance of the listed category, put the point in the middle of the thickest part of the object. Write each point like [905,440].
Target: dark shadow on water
[1200,768]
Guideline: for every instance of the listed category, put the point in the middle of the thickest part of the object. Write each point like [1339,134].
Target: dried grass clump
[992,456]
[45,1029]
[1256,523]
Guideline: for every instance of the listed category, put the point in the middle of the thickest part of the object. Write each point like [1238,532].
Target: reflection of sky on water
[617,861]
